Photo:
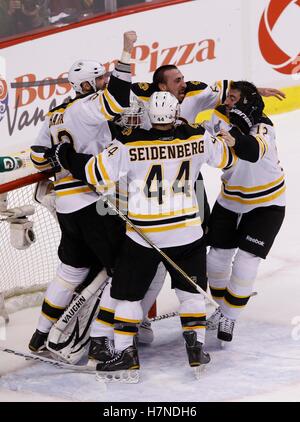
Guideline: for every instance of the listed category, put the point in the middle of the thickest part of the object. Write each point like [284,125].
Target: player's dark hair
[159,75]
[250,97]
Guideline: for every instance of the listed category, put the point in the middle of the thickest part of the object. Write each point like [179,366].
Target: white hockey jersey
[161,169]
[83,123]
[248,185]
[198,97]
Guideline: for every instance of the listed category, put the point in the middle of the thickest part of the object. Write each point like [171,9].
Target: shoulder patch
[127,131]
[143,86]
[192,86]
[194,125]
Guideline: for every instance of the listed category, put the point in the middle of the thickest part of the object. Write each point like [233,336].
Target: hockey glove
[247,112]
[54,156]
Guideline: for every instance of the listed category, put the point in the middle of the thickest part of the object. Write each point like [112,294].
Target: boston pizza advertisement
[207,40]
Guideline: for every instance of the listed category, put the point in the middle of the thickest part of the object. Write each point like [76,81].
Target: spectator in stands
[26,15]
[5,21]
[73,8]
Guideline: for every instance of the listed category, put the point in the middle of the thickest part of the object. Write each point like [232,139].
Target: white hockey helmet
[133,116]
[85,71]
[163,107]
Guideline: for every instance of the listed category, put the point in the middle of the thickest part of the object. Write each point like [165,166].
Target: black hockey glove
[247,112]
[55,156]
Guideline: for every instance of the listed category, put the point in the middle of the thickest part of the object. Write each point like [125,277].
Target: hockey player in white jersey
[84,242]
[161,165]
[250,208]
[194,97]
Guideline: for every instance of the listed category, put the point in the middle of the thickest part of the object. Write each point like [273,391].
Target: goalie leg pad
[69,336]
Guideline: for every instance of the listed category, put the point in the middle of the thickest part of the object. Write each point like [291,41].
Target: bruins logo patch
[127,131]
[144,86]
[195,125]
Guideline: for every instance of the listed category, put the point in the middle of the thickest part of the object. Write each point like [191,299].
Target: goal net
[26,273]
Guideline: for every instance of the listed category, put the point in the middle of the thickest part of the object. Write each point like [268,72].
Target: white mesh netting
[29,270]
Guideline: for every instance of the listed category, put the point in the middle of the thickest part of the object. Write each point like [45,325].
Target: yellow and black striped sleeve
[116,96]
[248,147]
[229,157]
[40,163]
[74,161]
[143,90]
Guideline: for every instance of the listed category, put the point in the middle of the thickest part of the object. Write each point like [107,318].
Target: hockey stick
[157,249]
[49,361]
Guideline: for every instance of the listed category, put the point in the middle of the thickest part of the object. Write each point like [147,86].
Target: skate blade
[199,370]
[129,376]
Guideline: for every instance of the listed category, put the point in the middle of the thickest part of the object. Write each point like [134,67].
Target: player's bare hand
[130,38]
[272,92]
[230,140]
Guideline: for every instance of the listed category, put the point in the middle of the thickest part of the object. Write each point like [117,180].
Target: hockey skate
[212,322]
[197,357]
[38,342]
[225,328]
[145,333]
[123,367]
[101,350]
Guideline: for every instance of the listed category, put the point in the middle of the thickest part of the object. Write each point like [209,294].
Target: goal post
[26,273]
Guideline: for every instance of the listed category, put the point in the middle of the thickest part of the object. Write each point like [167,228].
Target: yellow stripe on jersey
[143,98]
[168,227]
[103,171]
[193,93]
[225,158]
[38,158]
[103,109]
[42,166]
[67,179]
[73,191]
[262,146]
[116,108]
[163,215]
[263,143]
[90,171]
[255,188]
[192,315]
[157,142]
[254,201]
[221,116]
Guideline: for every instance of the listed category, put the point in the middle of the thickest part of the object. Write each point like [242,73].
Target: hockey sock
[127,317]
[192,313]
[240,286]
[59,294]
[218,271]
[103,326]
